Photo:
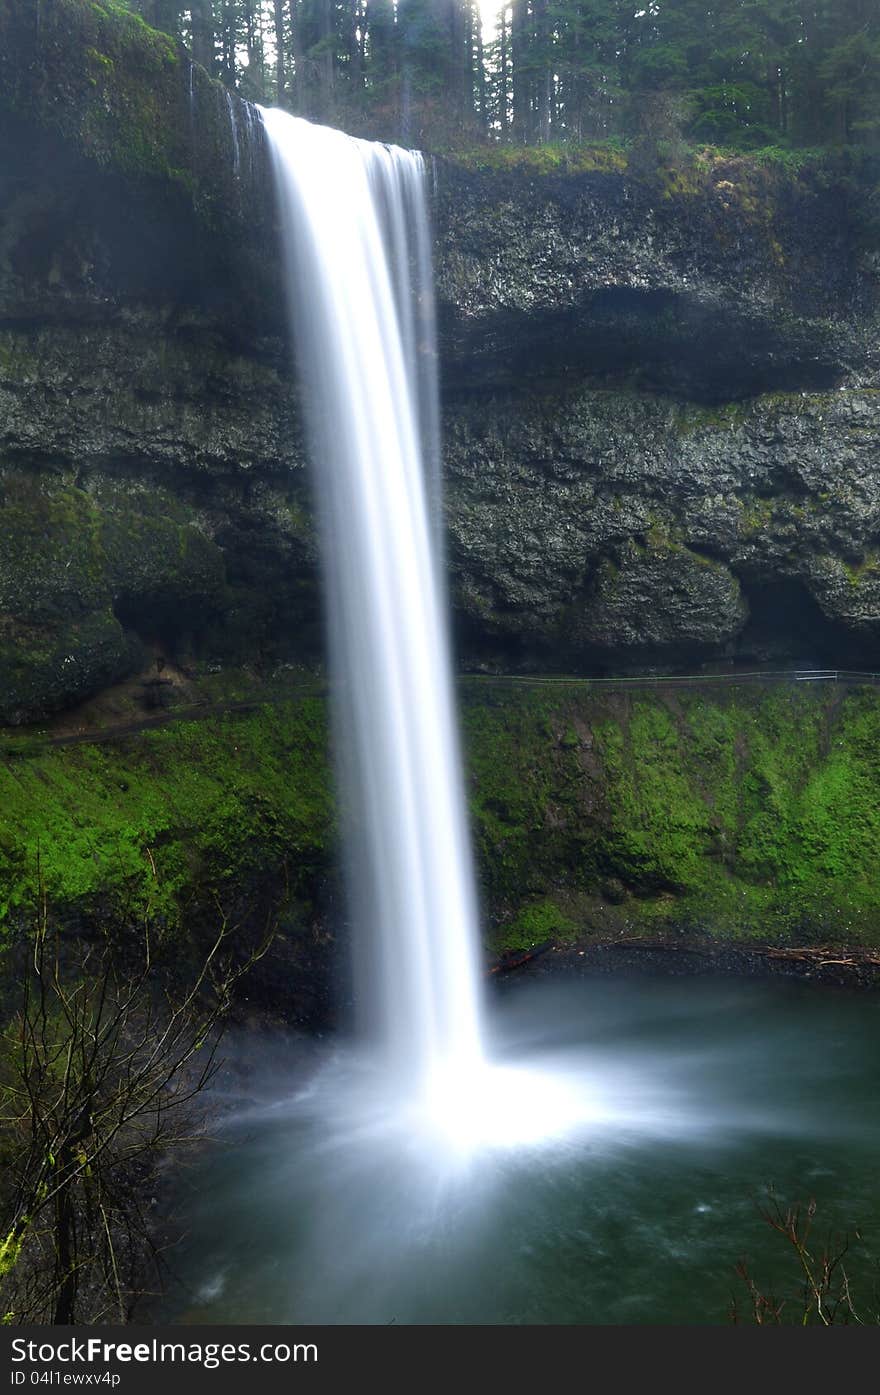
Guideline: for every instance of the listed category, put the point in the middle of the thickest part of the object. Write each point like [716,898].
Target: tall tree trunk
[327,61]
[300,99]
[202,33]
[543,78]
[459,62]
[280,52]
[383,37]
[519,55]
[354,27]
[469,26]
[228,44]
[253,40]
[504,70]
[482,93]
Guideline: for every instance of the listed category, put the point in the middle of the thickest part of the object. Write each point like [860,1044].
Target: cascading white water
[354,231]
[358,268]
[339,1206]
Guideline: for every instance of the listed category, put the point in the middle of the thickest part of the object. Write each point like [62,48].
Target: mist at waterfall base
[578,1152]
[317,1206]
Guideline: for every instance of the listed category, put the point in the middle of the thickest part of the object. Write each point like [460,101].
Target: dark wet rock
[96,565]
[716,281]
[661,596]
[661,410]
[627,523]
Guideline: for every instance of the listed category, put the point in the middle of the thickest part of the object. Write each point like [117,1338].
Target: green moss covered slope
[740,813]
[744,812]
[162,823]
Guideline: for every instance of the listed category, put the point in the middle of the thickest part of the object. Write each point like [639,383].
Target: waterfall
[357,263]
[357,260]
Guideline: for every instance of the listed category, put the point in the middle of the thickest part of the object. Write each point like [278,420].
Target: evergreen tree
[740,73]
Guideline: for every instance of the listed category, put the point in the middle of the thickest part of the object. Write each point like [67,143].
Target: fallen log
[516,958]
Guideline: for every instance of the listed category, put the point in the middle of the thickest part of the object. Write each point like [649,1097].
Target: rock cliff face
[601,527]
[661,421]
[717,281]
[662,434]
[662,393]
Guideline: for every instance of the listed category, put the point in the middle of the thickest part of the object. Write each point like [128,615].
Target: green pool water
[317,1204]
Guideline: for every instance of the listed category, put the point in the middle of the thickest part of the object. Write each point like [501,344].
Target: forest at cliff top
[440,73]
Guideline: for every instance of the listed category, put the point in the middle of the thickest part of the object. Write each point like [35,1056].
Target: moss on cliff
[112,79]
[735,813]
[658,594]
[121,94]
[754,175]
[607,157]
[72,563]
[160,823]
[596,528]
[743,812]
[51,561]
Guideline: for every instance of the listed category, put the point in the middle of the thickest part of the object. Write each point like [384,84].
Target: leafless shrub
[102,1065]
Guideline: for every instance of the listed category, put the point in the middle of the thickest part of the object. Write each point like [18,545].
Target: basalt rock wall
[661,392]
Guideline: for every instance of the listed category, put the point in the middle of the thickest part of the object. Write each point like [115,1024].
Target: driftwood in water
[516,958]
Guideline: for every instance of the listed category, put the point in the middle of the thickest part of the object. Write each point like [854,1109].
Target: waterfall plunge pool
[631,1202]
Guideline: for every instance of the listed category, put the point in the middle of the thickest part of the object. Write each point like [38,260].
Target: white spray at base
[358,268]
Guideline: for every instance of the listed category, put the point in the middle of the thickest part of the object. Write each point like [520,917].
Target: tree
[103,1063]
[202,33]
[437,55]
[743,73]
[279,10]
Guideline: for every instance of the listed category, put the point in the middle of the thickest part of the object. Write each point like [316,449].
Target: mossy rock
[534,924]
[173,821]
[113,80]
[126,98]
[73,565]
[735,812]
[47,668]
[51,558]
